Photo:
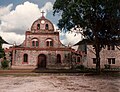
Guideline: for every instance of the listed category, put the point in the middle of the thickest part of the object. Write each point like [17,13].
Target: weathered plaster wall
[104,55]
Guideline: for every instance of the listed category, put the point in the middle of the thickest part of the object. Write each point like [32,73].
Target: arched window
[38,26]
[35,42]
[46,27]
[49,42]
[25,58]
[58,58]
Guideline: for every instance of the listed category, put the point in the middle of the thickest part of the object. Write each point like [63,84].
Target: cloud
[20,19]
[12,37]
[70,38]
[47,7]
[5,10]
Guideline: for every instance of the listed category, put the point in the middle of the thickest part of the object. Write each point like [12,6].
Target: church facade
[41,48]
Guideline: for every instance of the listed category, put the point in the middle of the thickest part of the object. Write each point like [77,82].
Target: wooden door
[41,61]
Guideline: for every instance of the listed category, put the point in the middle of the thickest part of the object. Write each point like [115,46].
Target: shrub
[5,64]
[107,66]
[81,67]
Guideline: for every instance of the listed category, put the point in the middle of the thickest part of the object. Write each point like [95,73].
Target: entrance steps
[23,67]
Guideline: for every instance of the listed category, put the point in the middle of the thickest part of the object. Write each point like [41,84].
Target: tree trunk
[97,50]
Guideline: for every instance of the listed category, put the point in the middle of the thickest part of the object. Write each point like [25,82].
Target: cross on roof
[42,13]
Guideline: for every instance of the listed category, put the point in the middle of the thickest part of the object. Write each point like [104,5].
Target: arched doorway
[58,58]
[25,58]
[41,61]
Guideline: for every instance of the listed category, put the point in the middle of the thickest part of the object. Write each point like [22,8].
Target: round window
[42,21]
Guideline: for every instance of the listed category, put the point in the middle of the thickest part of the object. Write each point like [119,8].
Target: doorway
[58,58]
[41,61]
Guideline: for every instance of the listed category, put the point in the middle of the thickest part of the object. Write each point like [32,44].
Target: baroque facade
[41,48]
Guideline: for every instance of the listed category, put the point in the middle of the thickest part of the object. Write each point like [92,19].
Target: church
[41,48]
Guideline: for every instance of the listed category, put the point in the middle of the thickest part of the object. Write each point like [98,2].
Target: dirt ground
[59,83]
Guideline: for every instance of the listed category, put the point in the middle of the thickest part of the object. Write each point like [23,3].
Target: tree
[2,54]
[100,20]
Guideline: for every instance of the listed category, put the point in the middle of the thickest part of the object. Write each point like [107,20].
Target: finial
[42,13]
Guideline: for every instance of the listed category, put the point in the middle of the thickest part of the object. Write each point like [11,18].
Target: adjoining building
[108,56]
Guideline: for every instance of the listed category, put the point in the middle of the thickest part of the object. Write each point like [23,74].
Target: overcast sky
[17,16]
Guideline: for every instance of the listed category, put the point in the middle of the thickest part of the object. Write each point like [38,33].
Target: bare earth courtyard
[58,83]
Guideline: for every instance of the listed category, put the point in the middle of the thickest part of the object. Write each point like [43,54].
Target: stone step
[23,67]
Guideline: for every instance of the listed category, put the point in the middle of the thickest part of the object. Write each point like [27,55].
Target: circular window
[42,21]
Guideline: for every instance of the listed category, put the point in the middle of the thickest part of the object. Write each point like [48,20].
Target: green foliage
[100,20]
[5,64]
[2,54]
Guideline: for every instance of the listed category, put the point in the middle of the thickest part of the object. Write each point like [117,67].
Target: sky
[17,16]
